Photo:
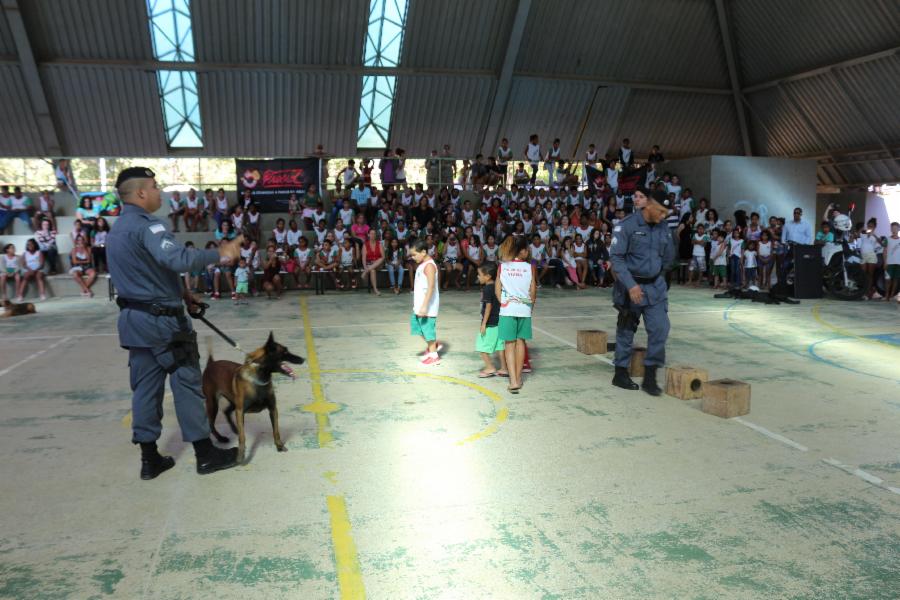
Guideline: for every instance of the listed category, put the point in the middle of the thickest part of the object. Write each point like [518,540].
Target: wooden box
[726,398]
[636,368]
[591,341]
[685,382]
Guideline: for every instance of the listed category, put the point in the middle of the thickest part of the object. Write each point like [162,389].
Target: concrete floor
[403,482]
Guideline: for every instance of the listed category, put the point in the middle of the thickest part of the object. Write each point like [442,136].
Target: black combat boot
[649,384]
[152,463]
[622,380]
[211,459]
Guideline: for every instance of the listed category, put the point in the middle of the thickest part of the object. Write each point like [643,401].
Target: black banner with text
[271,182]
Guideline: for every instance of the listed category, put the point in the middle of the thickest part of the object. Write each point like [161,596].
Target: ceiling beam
[822,70]
[155,65]
[728,44]
[504,83]
[32,78]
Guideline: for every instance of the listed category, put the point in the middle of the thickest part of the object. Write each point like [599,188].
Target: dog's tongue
[287,370]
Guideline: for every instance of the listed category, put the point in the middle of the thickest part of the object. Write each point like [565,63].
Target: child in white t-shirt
[892,263]
[735,252]
[698,256]
[516,288]
[719,256]
[749,264]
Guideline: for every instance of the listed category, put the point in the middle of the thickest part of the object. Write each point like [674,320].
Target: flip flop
[482,375]
[499,374]
[513,390]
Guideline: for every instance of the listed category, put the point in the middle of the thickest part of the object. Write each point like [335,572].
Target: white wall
[884,208]
[768,186]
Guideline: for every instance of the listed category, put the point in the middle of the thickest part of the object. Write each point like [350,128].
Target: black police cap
[134,173]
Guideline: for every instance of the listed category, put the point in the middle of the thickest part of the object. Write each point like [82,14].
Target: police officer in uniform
[145,261]
[642,248]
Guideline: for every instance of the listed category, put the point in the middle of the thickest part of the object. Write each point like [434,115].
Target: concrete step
[61,286]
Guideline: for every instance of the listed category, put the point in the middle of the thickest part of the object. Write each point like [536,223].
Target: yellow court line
[818,317]
[501,412]
[319,406]
[348,570]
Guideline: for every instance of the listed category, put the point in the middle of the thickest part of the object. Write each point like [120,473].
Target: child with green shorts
[488,341]
[516,287]
[426,301]
[242,282]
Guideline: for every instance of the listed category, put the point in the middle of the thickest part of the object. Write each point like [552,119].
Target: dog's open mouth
[287,370]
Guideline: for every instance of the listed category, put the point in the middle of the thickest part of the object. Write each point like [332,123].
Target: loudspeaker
[808,269]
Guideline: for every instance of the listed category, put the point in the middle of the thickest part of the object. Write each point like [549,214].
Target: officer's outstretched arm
[617,253]
[174,256]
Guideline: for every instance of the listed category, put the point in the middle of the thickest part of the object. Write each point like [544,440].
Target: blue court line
[810,353]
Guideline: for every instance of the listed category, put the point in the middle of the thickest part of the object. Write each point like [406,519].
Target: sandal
[483,375]
[502,374]
[514,390]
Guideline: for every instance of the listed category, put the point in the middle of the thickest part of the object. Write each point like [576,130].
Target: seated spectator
[271,279]
[225,232]
[192,209]
[347,260]
[11,269]
[12,207]
[82,271]
[220,208]
[326,261]
[98,245]
[88,214]
[176,209]
[46,209]
[32,269]
[304,259]
[46,240]
[212,275]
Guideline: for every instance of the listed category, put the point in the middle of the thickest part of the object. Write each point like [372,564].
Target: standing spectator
[65,179]
[626,156]
[868,242]
[655,156]
[764,259]
[46,240]
[372,259]
[748,266]
[551,158]
[251,224]
[718,254]
[394,261]
[735,254]
[892,263]
[98,245]
[532,152]
[176,209]
[504,156]
[32,268]
[797,231]
[46,209]
[598,257]
[698,256]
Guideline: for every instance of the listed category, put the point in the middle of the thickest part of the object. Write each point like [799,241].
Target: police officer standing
[642,248]
[145,261]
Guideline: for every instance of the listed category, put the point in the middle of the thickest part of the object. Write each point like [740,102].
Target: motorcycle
[843,276]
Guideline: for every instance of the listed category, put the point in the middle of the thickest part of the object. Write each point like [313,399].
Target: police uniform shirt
[144,262]
[641,250]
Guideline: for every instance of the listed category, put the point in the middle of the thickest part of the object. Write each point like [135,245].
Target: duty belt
[645,280]
[157,310]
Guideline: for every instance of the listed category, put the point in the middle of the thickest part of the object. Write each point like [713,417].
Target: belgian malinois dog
[247,388]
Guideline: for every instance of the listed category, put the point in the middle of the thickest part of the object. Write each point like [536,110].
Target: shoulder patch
[158,228]
[617,228]
[167,243]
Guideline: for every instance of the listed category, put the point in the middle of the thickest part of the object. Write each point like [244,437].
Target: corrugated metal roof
[463,34]
[672,41]
[782,130]
[7,44]
[111,29]
[105,112]
[21,136]
[265,113]
[681,124]
[876,86]
[781,37]
[551,109]
[833,116]
[431,111]
[321,32]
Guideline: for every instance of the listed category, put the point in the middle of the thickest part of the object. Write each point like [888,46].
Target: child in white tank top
[516,289]
[426,302]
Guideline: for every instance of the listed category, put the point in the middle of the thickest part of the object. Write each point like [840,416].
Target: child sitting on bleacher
[10,270]
[303,262]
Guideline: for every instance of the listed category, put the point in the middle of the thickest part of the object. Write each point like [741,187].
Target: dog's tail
[209,356]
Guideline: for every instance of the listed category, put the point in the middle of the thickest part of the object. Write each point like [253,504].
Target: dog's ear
[271,341]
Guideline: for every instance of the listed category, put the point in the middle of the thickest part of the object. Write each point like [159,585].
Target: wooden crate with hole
[636,368]
[685,382]
[726,398]
[592,341]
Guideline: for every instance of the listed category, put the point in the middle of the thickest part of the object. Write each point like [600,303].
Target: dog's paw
[281,448]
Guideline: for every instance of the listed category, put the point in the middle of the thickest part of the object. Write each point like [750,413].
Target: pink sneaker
[431,359]
[438,350]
